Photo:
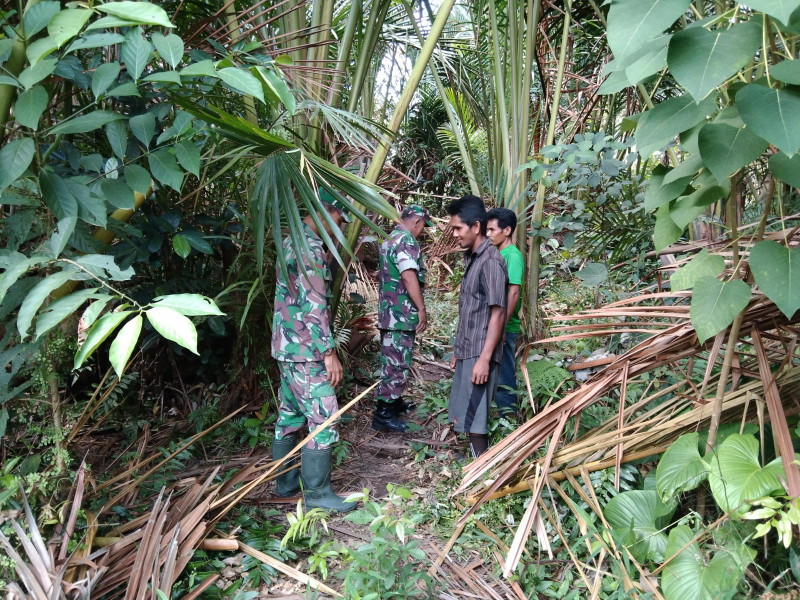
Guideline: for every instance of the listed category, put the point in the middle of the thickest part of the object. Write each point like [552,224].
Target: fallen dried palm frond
[515,464]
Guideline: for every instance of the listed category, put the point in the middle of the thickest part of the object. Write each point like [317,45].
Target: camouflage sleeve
[318,297]
[407,256]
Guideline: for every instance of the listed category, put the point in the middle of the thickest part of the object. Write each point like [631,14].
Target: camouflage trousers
[306,399]
[397,350]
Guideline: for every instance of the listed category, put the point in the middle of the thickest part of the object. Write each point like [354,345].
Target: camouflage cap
[328,198]
[415,210]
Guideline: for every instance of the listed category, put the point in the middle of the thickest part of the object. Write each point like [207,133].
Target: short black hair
[504,217]
[470,210]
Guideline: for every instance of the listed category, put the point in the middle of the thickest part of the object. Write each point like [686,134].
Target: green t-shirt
[516,267]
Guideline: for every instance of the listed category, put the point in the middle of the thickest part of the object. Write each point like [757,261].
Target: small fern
[545,377]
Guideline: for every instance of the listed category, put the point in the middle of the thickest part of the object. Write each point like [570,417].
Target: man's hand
[480,372]
[333,368]
[423,321]
[453,362]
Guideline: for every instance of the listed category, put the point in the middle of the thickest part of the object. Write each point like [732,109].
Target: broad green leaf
[786,169]
[60,237]
[593,274]
[189,305]
[181,245]
[169,47]
[278,86]
[93,311]
[700,59]
[98,334]
[726,149]
[661,124]
[117,193]
[96,40]
[634,23]
[57,195]
[783,10]
[136,53]
[137,178]
[772,114]
[126,89]
[735,474]
[138,12]
[67,24]
[17,267]
[197,241]
[649,60]
[174,326]
[242,81]
[87,122]
[689,576]
[188,156]
[615,82]
[40,49]
[15,157]
[165,77]
[122,347]
[715,304]
[787,71]
[204,68]
[117,134]
[36,72]
[36,297]
[143,127]
[30,105]
[91,208]
[657,193]
[104,266]
[638,515]
[681,468]
[165,169]
[38,16]
[704,264]
[110,23]
[103,77]
[57,311]
[776,270]
[687,208]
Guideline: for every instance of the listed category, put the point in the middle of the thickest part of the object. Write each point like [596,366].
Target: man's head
[334,207]
[415,219]
[468,220]
[500,225]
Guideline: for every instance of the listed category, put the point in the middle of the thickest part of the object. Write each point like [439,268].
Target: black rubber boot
[385,418]
[287,484]
[316,465]
[401,407]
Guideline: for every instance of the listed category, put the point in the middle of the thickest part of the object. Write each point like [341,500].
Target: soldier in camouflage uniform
[401,314]
[302,343]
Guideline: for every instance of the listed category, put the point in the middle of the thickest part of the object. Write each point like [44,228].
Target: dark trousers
[505,398]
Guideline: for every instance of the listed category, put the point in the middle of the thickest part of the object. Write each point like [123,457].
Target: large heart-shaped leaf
[638,517]
[726,149]
[665,232]
[783,10]
[700,59]
[772,114]
[689,576]
[658,193]
[787,71]
[634,23]
[650,59]
[736,475]
[715,304]
[681,468]
[704,264]
[776,270]
[658,126]
[785,168]
[687,208]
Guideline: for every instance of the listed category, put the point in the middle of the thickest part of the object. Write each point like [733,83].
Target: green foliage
[778,514]
[305,525]
[638,518]
[715,304]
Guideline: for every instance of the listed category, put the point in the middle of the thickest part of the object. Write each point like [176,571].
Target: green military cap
[415,210]
[328,198]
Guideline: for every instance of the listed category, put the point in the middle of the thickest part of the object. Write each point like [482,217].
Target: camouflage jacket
[301,327]
[399,252]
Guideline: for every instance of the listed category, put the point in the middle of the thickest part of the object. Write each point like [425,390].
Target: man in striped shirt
[477,351]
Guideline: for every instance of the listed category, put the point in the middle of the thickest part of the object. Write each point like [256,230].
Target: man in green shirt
[500,225]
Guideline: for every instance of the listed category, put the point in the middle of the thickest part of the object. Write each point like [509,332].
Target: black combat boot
[401,407]
[287,484]
[317,490]
[385,419]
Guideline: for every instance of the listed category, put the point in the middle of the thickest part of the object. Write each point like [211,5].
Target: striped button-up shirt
[484,285]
